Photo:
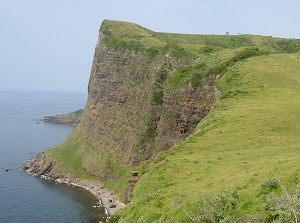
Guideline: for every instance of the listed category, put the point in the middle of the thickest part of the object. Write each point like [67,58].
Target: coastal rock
[112,206]
[38,166]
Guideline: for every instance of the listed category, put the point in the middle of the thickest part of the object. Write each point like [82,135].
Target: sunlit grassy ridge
[252,135]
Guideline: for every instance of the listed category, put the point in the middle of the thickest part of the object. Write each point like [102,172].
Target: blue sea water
[24,198]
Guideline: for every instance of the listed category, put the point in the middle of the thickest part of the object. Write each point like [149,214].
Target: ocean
[24,198]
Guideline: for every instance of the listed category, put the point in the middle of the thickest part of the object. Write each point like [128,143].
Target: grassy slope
[252,135]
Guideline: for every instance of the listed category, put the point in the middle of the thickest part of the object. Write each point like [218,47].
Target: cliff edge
[147,92]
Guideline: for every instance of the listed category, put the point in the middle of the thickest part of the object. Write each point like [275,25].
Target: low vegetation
[221,208]
[276,205]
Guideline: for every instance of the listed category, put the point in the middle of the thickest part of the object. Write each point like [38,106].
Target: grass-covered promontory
[249,139]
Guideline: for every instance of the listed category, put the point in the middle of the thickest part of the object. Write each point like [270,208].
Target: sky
[49,45]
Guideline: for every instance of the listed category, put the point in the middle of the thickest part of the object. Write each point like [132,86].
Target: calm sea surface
[30,199]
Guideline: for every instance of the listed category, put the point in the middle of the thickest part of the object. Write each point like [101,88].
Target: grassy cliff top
[118,32]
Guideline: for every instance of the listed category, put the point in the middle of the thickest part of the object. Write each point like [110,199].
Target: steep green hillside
[251,136]
[234,97]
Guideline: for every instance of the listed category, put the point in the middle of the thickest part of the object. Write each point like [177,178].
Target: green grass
[251,136]
[123,36]
[68,159]
[79,159]
[193,75]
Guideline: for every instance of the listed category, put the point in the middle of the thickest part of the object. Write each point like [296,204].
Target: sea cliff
[134,110]
[147,92]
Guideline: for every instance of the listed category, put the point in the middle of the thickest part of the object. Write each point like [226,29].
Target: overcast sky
[49,45]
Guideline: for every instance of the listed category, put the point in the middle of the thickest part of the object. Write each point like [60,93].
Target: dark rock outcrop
[39,166]
[134,178]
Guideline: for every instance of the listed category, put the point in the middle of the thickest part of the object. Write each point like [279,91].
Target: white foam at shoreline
[106,199]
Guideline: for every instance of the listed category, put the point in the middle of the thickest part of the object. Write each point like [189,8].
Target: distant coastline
[57,120]
[72,118]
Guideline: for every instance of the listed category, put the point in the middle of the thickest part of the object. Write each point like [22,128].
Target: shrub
[247,53]
[288,45]
[152,52]
[221,208]
[157,98]
[209,49]
[270,185]
[282,207]
[177,51]
[161,76]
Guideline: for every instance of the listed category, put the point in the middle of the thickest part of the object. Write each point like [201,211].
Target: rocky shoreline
[72,118]
[36,167]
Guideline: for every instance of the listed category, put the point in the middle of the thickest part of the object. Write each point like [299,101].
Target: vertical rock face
[119,90]
[129,115]
[182,111]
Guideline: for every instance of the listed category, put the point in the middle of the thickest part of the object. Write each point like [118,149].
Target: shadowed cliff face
[129,116]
